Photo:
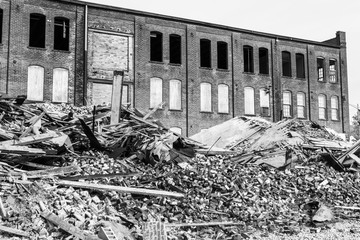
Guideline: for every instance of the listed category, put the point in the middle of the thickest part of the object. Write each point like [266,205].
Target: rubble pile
[73,175]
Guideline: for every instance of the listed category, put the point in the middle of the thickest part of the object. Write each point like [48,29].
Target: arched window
[60,85]
[334,108]
[61,33]
[264,102]
[205,53]
[175,48]
[222,55]
[286,63]
[175,95]
[322,106]
[35,83]
[248,59]
[223,98]
[156,46]
[249,100]
[300,65]
[320,69]
[205,97]
[37,30]
[287,104]
[155,92]
[300,101]
[332,71]
[263,61]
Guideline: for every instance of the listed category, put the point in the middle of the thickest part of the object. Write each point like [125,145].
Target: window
[264,102]
[205,97]
[61,33]
[249,99]
[263,61]
[175,49]
[248,59]
[300,100]
[287,111]
[205,53]
[35,83]
[1,24]
[332,73]
[286,63]
[156,48]
[222,57]
[155,92]
[322,106]
[175,95]
[176,130]
[37,30]
[223,98]
[320,69]
[334,108]
[300,65]
[60,85]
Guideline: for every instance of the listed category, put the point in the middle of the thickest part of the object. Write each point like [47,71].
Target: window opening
[222,57]
[263,61]
[205,53]
[37,30]
[156,48]
[287,104]
[248,59]
[300,100]
[300,65]
[175,49]
[320,69]
[322,106]
[286,63]
[61,33]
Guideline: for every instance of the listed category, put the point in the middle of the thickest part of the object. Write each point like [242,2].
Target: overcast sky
[316,20]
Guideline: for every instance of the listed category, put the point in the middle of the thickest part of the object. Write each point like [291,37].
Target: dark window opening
[156,48]
[286,64]
[263,61]
[320,69]
[205,53]
[61,33]
[222,57]
[248,59]
[300,65]
[37,30]
[332,72]
[175,49]
[1,24]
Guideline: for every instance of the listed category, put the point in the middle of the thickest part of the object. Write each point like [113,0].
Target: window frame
[286,64]
[320,69]
[322,109]
[222,55]
[332,70]
[264,103]
[287,105]
[301,106]
[248,58]
[264,61]
[175,49]
[334,109]
[300,65]
[205,53]
[37,35]
[66,42]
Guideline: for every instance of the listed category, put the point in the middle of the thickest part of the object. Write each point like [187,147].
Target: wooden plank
[153,110]
[348,208]
[205,224]
[26,132]
[353,149]
[140,191]
[95,176]
[116,97]
[21,150]
[31,139]
[14,231]
[6,135]
[53,172]
[356,158]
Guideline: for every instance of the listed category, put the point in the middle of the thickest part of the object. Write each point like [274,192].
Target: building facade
[67,51]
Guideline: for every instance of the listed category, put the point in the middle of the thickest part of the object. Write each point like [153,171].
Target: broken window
[37,30]
[334,108]
[222,55]
[332,72]
[300,65]
[35,83]
[320,69]
[223,98]
[155,92]
[176,130]
[263,61]
[322,106]
[175,94]
[249,99]
[248,59]
[61,33]
[264,102]
[175,49]
[300,100]
[286,63]
[156,48]
[60,85]
[205,53]
[205,97]
[1,24]
[287,102]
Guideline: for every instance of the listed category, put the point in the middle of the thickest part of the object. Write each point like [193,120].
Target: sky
[316,20]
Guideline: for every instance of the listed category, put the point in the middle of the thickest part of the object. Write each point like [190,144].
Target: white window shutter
[35,83]
[175,94]
[205,97]
[249,99]
[223,98]
[60,85]
[155,92]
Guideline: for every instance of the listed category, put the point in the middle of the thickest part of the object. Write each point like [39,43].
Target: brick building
[67,51]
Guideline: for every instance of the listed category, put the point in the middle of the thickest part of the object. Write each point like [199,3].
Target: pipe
[85,83]
[8,53]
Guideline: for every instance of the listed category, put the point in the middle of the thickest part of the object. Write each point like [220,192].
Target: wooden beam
[14,231]
[153,110]
[356,158]
[205,224]
[32,139]
[53,172]
[116,97]
[26,132]
[21,150]
[96,176]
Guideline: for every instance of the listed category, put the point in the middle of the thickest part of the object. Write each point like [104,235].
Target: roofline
[199,23]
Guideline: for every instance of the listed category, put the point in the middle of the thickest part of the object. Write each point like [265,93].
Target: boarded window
[205,97]
[322,106]
[61,33]
[60,85]
[248,59]
[300,65]
[334,108]
[249,100]
[155,92]
[37,30]
[1,24]
[332,71]
[205,53]
[287,104]
[222,57]
[286,63]
[300,100]
[35,83]
[320,69]
[175,94]
[263,61]
[223,98]
[176,130]
[156,47]
[264,102]
[175,49]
